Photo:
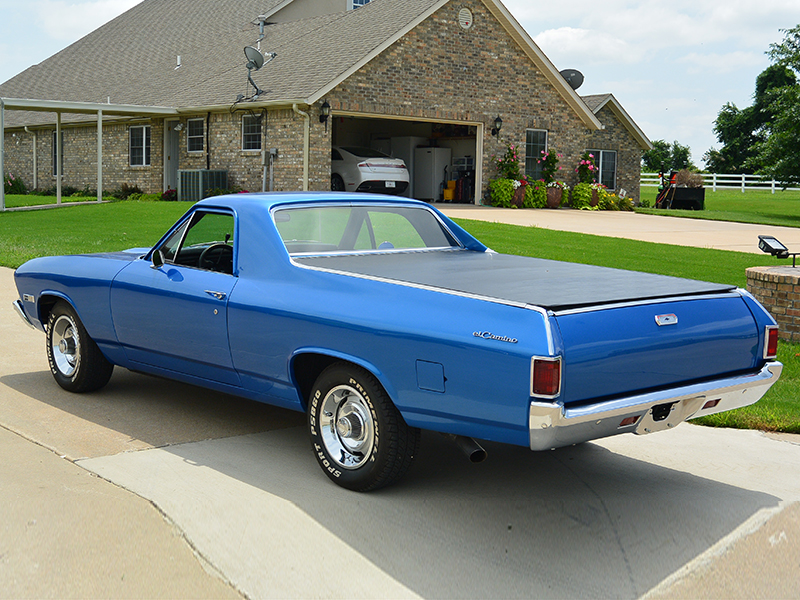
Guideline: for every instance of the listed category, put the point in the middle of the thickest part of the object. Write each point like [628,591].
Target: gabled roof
[597,102]
[132,59]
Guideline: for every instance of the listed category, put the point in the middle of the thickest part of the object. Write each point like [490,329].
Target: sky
[672,65]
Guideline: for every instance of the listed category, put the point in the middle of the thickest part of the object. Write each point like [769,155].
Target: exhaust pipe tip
[472,449]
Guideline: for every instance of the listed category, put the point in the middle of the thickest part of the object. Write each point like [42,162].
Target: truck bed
[550,284]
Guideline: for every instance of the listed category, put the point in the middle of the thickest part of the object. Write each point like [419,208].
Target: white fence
[725,181]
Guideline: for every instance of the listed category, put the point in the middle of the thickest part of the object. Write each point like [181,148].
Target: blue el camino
[378,317]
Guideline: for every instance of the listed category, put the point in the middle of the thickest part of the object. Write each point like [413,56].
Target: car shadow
[158,412]
[575,522]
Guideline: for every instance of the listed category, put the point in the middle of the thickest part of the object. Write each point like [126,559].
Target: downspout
[208,141]
[35,158]
[306,143]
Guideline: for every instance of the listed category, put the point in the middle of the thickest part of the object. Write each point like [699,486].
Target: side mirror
[158,259]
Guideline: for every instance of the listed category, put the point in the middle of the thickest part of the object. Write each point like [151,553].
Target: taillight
[771,342]
[546,376]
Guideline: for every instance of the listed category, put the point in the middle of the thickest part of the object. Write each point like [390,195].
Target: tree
[668,157]
[734,128]
[741,131]
[778,154]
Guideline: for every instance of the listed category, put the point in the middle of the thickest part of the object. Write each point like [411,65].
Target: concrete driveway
[740,237]
[155,489]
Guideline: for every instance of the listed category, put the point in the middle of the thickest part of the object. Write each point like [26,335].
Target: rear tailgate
[615,352]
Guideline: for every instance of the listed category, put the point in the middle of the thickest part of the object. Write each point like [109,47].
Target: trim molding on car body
[552,425]
[737,293]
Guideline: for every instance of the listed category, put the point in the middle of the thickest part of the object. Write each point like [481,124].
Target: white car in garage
[355,169]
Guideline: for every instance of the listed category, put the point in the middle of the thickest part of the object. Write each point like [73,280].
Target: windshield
[328,229]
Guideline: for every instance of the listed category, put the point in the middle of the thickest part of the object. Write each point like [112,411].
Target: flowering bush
[535,195]
[170,195]
[549,162]
[508,164]
[13,185]
[586,169]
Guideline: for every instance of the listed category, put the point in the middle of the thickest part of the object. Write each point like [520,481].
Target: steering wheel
[217,257]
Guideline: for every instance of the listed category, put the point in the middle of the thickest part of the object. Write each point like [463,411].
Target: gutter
[306,142]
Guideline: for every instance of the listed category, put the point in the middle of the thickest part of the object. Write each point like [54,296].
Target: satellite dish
[255,60]
[574,78]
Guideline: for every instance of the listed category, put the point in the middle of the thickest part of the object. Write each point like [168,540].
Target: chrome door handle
[217,295]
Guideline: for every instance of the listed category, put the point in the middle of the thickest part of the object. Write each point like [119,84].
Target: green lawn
[79,229]
[121,225]
[752,206]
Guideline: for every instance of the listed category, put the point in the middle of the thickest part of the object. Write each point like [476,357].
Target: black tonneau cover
[549,284]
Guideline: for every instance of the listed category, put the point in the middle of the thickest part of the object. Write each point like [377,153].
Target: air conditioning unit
[193,184]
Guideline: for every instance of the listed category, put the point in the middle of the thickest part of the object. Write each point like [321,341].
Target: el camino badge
[488,335]
[666,320]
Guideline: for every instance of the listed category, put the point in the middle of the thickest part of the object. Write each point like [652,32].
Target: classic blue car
[378,316]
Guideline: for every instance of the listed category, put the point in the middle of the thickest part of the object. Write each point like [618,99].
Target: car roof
[270,200]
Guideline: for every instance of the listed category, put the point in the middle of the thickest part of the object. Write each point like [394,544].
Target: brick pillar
[778,289]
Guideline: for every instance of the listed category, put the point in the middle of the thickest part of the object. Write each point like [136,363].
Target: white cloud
[570,45]
[717,64]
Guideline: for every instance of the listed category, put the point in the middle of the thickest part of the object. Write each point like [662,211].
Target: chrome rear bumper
[21,312]
[552,425]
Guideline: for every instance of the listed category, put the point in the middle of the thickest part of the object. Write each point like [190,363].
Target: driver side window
[205,242]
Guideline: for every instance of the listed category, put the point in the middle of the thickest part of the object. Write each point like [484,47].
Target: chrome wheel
[358,436]
[75,360]
[347,427]
[66,345]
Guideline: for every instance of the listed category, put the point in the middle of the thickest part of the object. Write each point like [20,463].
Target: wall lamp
[498,125]
[770,245]
[324,113]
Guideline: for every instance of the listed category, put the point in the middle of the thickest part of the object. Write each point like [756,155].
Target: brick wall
[778,289]
[438,71]
[629,154]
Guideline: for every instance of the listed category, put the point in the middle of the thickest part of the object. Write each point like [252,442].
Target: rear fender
[306,364]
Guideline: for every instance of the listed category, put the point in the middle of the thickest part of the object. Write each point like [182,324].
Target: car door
[174,315]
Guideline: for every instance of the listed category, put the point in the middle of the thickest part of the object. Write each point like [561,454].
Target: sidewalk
[700,233]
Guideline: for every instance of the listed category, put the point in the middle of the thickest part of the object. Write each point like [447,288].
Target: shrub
[14,185]
[644,203]
[125,190]
[535,195]
[170,195]
[502,191]
[549,162]
[582,195]
[508,164]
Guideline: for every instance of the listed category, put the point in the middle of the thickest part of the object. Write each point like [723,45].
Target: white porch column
[99,155]
[2,154]
[58,158]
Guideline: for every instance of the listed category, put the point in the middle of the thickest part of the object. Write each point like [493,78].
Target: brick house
[163,89]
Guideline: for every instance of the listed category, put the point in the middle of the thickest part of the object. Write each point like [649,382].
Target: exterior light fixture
[324,113]
[498,125]
[770,245]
